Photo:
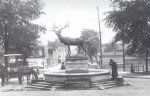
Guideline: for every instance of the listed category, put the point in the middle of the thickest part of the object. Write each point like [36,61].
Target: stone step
[45,83]
[106,84]
[52,85]
[46,86]
[104,81]
[109,83]
[42,85]
[38,87]
[112,86]
[34,81]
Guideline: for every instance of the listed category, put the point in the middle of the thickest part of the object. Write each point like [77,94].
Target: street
[138,87]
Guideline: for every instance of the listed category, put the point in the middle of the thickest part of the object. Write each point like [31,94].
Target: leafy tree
[130,19]
[55,44]
[18,32]
[27,42]
[91,42]
[38,51]
[110,47]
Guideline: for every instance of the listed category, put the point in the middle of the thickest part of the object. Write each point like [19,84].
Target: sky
[78,14]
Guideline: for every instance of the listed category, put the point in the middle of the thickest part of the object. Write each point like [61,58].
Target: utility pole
[100,40]
[124,66]
[123,46]
[146,58]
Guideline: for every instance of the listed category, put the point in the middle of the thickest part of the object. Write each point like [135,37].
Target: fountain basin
[61,76]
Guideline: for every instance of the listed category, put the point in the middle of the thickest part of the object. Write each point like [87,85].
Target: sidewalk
[134,75]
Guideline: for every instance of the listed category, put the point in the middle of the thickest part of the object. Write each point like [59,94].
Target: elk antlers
[58,30]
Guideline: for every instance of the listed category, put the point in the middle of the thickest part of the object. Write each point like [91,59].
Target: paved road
[138,87]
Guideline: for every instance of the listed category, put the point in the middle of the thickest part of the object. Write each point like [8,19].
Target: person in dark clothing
[63,66]
[2,74]
[113,65]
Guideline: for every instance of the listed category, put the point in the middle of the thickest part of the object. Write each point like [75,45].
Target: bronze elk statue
[79,42]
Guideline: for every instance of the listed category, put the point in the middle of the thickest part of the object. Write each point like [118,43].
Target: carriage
[18,68]
[14,62]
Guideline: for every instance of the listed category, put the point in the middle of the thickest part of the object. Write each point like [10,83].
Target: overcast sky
[80,14]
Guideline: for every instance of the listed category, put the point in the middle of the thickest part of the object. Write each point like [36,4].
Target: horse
[26,71]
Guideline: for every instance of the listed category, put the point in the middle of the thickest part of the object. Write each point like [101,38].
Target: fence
[135,68]
[131,67]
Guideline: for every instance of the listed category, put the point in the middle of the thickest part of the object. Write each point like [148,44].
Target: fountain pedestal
[76,64]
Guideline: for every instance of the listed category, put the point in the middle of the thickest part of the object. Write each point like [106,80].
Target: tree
[91,42]
[130,19]
[55,44]
[18,32]
[110,47]
[26,42]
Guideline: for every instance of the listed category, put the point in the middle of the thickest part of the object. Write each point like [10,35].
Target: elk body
[69,41]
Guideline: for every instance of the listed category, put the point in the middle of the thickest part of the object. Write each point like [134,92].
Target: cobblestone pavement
[138,87]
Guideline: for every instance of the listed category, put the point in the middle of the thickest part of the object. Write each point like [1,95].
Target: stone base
[77,84]
[120,80]
[76,64]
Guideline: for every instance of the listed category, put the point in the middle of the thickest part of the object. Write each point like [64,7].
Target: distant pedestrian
[132,69]
[113,65]
[63,66]
[2,74]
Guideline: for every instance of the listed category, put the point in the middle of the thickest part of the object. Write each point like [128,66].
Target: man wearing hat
[113,65]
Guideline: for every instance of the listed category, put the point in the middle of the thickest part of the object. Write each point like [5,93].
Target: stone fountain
[77,73]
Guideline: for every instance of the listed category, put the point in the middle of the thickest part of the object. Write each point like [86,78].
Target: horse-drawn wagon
[17,68]
[14,62]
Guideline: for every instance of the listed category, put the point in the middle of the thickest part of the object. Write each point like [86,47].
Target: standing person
[2,74]
[113,65]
